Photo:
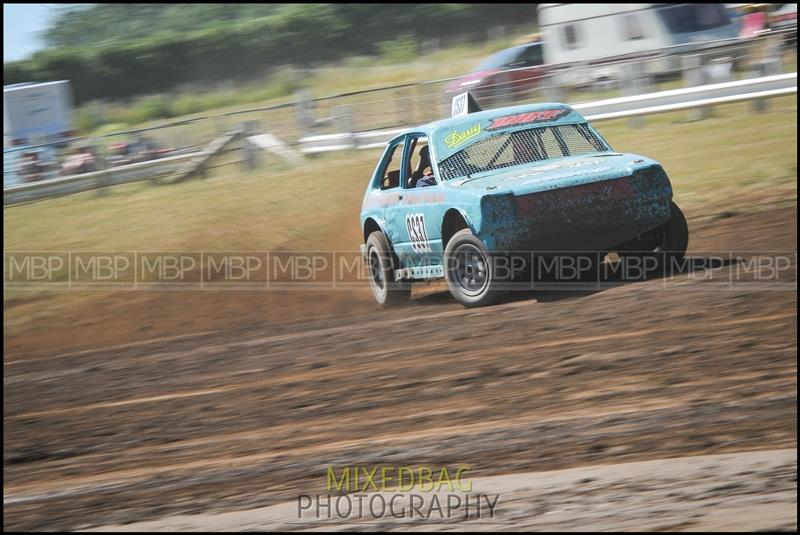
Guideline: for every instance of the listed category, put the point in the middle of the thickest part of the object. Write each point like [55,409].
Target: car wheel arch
[453,221]
[371,225]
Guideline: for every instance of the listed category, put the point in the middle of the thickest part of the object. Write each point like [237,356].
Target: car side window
[420,167]
[390,174]
[518,60]
[533,55]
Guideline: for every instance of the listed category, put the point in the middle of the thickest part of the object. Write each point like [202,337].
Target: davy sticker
[455,138]
[528,117]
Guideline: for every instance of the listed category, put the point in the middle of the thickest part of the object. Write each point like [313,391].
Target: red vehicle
[504,75]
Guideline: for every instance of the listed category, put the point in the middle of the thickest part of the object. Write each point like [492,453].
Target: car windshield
[497,60]
[520,148]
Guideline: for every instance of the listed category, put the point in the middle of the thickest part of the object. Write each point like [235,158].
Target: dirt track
[251,417]
[728,492]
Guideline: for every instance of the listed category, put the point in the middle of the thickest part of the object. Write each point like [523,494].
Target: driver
[424,169]
[426,180]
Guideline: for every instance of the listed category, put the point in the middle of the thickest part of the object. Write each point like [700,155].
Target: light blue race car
[452,198]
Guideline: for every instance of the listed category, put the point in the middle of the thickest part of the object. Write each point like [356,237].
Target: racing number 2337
[415,223]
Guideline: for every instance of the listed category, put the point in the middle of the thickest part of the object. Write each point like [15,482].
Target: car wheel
[469,270]
[385,289]
[666,244]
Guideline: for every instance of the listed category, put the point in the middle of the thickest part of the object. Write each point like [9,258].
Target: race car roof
[453,134]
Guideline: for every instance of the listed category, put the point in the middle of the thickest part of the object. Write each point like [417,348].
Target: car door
[527,68]
[419,213]
[388,190]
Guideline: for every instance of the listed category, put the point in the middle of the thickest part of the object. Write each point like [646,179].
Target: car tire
[668,243]
[469,270]
[677,234]
[380,263]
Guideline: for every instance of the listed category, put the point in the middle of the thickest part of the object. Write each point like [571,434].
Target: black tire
[469,270]
[677,234]
[385,289]
[666,244]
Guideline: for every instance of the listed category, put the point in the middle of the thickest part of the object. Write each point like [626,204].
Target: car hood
[470,80]
[552,174]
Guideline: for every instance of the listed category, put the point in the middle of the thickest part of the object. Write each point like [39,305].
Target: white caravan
[588,34]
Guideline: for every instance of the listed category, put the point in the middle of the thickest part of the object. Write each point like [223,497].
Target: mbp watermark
[235,270]
[37,269]
[99,270]
[326,270]
[289,270]
[765,270]
[408,493]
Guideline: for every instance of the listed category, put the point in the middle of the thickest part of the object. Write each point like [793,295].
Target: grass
[231,209]
[732,160]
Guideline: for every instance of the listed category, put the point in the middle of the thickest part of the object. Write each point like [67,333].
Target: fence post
[552,90]
[717,71]
[499,91]
[99,152]
[304,111]
[342,119]
[250,161]
[769,65]
[634,82]
[509,88]
[692,67]
[101,180]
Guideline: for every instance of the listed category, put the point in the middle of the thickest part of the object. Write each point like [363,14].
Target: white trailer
[37,113]
[591,34]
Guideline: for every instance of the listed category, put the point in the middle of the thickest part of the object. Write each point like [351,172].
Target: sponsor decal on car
[528,118]
[552,167]
[456,138]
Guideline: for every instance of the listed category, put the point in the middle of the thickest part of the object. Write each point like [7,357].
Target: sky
[21,24]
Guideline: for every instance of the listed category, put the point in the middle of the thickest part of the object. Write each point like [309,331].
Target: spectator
[753,23]
[32,168]
[83,161]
